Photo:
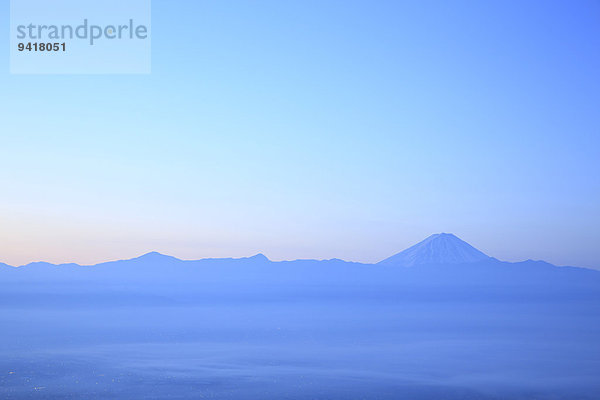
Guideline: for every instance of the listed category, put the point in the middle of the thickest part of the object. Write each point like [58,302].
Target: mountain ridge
[437,249]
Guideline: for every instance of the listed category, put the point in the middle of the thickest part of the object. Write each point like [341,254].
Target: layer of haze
[315,129]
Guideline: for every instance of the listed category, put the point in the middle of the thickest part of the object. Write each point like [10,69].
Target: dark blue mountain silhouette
[441,259]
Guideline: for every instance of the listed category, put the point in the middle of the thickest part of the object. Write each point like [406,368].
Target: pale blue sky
[315,130]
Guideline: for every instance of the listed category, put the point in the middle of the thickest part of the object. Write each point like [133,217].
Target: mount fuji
[441,248]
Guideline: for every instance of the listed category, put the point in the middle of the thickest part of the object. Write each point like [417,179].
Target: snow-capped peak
[441,248]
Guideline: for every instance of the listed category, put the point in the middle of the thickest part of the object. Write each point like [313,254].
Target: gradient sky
[315,129]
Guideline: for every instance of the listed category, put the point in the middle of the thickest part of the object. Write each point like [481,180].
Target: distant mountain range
[440,267]
[437,249]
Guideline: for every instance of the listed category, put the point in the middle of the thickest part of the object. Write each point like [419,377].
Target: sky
[315,129]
